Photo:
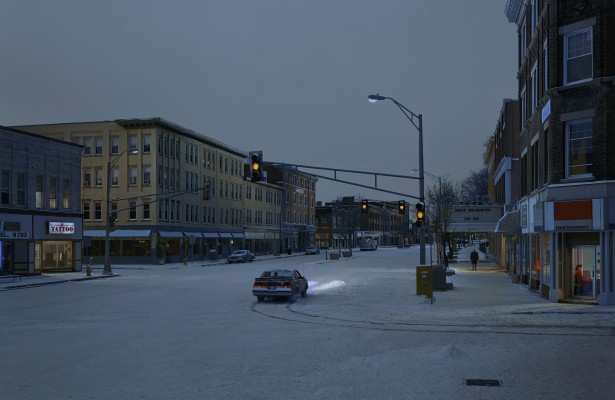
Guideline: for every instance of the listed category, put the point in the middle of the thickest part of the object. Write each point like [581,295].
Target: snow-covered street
[196,332]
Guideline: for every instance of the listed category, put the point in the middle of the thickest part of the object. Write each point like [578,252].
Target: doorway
[586,271]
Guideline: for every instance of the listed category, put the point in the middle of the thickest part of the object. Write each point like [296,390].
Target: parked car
[240,256]
[312,250]
[280,283]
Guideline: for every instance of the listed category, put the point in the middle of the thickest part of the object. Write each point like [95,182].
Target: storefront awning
[94,233]
[509,223]
[167,234]
[254,235]
[225,235]
[131,233]
[472,227]
[210,235]
[239,236]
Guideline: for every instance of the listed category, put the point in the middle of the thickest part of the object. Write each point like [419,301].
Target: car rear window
[274,274]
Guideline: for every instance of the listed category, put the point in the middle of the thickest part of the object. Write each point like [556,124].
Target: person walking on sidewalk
[474,259]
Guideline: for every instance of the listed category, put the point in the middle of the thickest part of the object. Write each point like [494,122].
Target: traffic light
[364,206]
[402,207]
[256,165]
[420,214]
[112,218]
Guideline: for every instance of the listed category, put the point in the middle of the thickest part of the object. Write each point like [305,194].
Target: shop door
[586,271]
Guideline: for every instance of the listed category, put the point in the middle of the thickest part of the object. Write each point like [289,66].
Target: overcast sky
[287,77]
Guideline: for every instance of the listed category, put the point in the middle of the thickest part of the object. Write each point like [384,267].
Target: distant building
[40,204]
[298,206]
[342,223]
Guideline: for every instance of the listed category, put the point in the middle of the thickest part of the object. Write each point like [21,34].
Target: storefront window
[546,258]
[57,256]
[535,251]
[141,248]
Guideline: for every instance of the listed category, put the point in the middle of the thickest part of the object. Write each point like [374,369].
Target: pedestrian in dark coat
[474,259]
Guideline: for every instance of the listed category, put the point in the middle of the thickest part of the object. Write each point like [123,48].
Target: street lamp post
[411,116]
[110,164]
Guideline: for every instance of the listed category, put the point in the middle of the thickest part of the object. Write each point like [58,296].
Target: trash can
[288,251]
[439,277]
[213,255]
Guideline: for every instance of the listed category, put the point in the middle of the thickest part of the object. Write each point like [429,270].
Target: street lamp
[110,164]
[412,116]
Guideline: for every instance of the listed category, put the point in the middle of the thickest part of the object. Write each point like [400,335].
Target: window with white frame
[115,145]
[132,176]
[132,142]
[115,176]
[98,180]
[98,146]
[147,173]
[146,208]
[147,143]
[578,57]
[579,148]
[132,212]
[87,146]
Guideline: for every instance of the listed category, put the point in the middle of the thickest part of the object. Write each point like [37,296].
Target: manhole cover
[483,382]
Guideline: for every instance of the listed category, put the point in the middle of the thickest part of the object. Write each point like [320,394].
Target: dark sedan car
[240,256]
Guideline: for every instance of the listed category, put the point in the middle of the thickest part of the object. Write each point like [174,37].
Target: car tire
[304,293]
[260,299]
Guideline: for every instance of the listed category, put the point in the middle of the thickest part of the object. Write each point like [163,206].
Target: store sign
[465,213]
[14,235]
[573,215]
[61,228]
[12,230]
[546,111]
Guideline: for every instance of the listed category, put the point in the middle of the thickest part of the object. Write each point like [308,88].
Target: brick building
[502,160]
[567,113]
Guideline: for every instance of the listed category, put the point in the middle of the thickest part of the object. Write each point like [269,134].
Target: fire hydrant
[88,269]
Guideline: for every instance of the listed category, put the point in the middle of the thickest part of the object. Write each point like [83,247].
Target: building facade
[298,206]
[263,217]
[567,125]
[40,204]
[176,194]
[502,160]
[343,223]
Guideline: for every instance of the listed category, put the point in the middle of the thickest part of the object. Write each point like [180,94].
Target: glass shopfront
[586,271]
[54,256]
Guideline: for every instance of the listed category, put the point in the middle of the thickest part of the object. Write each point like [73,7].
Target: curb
[32,285]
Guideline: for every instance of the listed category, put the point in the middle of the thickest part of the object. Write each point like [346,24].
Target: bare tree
[440,200]
[475,186]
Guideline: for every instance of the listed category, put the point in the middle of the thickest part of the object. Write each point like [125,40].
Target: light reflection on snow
[317,287]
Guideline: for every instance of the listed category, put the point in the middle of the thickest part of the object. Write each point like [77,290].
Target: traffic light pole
[421,186]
